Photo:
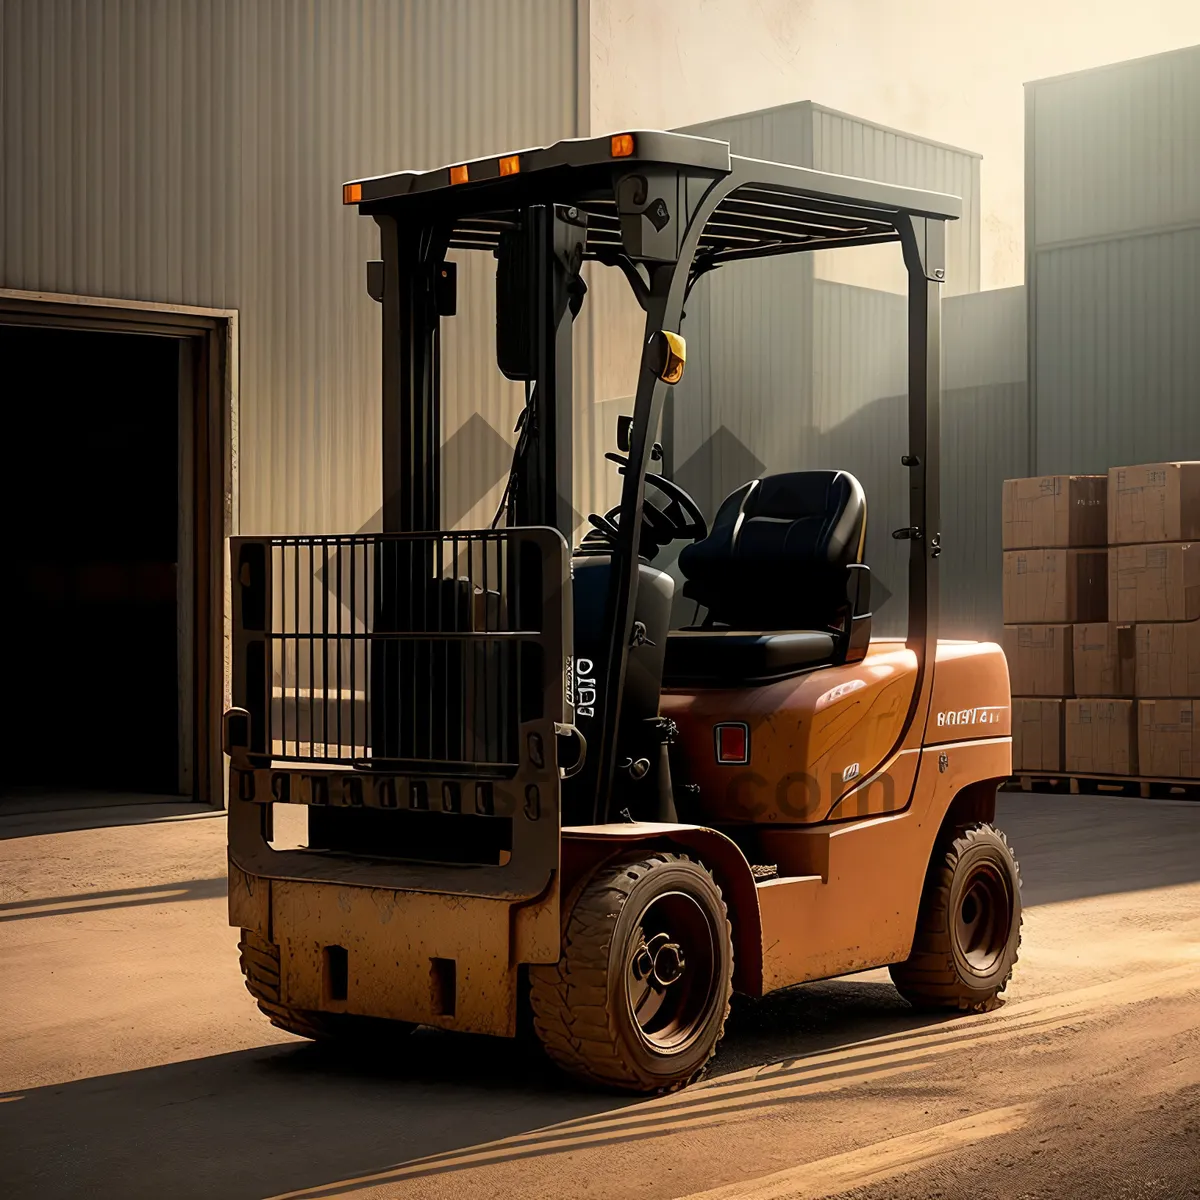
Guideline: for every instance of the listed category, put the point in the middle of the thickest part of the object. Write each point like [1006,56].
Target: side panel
[862,911]
[971,696]
[811,739]
[817,742]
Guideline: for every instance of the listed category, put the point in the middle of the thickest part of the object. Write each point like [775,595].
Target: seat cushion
[778,552]
[719,656]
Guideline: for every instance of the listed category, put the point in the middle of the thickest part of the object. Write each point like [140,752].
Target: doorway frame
[210,393]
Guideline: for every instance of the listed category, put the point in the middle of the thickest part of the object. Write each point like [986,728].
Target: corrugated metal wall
[1113,216]
[985,440]
[809,135]
[192,152]
[1115,150]
[1117,329]
[849,146]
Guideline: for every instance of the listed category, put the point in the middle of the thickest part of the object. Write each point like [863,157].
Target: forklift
[531,803]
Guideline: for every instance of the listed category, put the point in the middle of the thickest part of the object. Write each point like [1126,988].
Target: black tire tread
[928,978]
[571,1012]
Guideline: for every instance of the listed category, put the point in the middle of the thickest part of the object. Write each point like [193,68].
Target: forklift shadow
[295,1117]
[817,1018]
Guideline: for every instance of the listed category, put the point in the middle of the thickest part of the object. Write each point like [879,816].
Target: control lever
[910,532]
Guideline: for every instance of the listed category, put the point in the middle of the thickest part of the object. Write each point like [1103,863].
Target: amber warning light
[351,193]
[511,165]
[622,145]
[733,742]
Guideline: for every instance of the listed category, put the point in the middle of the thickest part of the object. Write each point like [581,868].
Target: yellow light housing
[667,355]
[511,165]
[622,145]
[351,193]
[459,174]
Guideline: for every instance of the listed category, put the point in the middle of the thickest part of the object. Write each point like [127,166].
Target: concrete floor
[132,1063]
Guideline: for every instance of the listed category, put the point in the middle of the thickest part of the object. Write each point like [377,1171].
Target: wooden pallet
[1120,785]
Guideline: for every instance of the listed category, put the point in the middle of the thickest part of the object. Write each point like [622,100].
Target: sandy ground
[133,1064]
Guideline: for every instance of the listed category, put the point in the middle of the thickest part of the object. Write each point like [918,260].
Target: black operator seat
[782,579]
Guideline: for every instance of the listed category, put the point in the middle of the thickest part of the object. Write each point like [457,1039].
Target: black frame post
[412,449]
[923,240]
[545,484]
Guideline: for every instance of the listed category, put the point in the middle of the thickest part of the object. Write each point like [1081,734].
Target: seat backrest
[778,551]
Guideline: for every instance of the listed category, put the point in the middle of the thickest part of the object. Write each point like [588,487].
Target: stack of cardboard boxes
[1154,586]
[1102,621]
[1055,580]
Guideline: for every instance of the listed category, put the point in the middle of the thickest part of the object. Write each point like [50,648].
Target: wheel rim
[983,919]
[671,972]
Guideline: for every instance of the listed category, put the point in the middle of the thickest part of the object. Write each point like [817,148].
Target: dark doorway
[91,497]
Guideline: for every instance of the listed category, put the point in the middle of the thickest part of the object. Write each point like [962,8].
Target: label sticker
[988,714]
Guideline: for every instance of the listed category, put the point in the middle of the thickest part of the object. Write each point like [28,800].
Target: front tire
[639,998]
[969,927]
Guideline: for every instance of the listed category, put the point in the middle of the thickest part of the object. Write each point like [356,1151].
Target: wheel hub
[983,919]
[671,973]
[660,961]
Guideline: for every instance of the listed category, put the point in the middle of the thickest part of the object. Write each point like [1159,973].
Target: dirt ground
[132,1063]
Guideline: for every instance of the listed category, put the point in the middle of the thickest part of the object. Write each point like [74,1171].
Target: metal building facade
[193,152]
[985,440]
[1113,245]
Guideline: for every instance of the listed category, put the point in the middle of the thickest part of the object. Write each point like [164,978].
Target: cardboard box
[1040,659]
[1055,587]
[1037,731]
[1169,738]
[1158,502]
[1104,659]
[1055,511]
[1167,659]
[1100,737]
[1154,583]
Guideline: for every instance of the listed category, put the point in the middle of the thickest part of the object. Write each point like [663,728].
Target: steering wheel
[679,518]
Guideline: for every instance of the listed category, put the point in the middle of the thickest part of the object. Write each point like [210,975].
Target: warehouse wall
[192,152]
[1114,150]
[1113,218]
[985,440]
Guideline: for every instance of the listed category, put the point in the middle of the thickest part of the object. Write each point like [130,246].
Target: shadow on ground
[1072,847]
[292,1116]
[135,897]
[29,812]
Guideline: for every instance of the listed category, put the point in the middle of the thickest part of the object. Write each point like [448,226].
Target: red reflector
[733,743]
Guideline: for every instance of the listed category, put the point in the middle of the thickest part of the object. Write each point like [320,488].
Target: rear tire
[260,966]
[969,926]
[639,998]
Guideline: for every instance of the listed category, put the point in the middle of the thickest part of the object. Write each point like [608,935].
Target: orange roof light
[510,165]
[459,174]
[622,145]
[351,193]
